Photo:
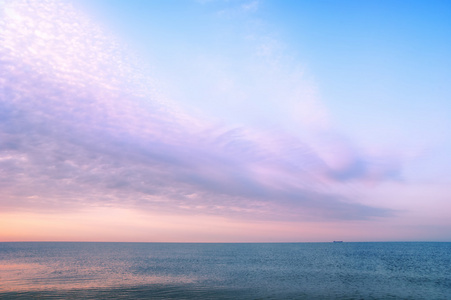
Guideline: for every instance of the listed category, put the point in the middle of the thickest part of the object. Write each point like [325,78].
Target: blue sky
[373,57]
[379,70]
[290,120]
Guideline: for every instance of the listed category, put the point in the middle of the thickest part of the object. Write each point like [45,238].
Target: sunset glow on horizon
[225,121]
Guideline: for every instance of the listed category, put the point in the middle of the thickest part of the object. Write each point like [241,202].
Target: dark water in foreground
[225,271]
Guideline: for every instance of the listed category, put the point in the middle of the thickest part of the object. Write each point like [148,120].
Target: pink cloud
[77,130]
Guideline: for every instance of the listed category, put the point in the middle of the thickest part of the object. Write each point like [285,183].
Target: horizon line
[123,242]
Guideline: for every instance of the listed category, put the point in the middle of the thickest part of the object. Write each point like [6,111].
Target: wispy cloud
[78,128]
[250,6]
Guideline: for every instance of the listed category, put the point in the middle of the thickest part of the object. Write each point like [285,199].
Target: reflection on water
[33,277]
[227,271]
[64,266]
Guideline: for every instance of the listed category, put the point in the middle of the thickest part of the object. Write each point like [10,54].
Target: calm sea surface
[225,271]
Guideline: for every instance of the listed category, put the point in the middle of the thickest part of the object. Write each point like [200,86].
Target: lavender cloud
[78,128]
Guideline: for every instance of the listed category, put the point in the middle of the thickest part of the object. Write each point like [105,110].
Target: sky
[225,120]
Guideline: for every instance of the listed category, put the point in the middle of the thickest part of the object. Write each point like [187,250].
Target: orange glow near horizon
[124,225]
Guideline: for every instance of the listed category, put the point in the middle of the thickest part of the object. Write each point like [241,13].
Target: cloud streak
[80,127]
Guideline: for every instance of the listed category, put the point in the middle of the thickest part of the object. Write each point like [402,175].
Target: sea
[76,270]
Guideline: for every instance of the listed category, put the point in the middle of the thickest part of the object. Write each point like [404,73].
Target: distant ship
[338,241]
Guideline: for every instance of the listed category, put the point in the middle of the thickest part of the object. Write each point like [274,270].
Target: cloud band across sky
[72,136]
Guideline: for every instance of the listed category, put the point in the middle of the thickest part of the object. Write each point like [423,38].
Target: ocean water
[225,271]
